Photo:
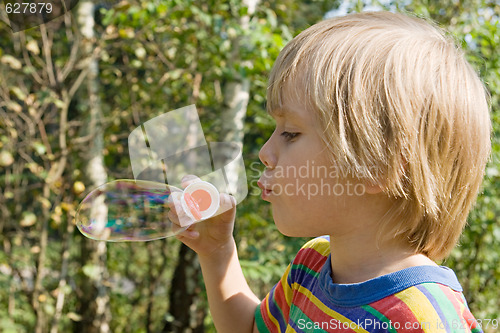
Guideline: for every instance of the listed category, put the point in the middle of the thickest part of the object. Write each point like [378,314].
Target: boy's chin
[284,226]
[290,228]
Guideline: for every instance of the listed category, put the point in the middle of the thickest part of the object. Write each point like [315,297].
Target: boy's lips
[266,190]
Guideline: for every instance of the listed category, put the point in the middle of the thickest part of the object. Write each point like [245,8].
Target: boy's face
[308,194]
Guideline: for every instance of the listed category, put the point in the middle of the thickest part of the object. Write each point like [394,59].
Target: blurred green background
[72,90]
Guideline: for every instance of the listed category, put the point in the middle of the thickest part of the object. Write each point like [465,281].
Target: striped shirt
[416,299]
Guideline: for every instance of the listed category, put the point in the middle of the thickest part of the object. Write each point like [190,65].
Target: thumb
[227,202]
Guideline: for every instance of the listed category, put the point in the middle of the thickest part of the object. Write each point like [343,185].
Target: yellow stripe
[271,317]
[460,301]
[422,309]
[321,245]
[286,289]
[288,297]
[337,316]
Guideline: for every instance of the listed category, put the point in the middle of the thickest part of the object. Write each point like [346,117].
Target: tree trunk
[236,97]
[94,302]
[237,91]
[186,308]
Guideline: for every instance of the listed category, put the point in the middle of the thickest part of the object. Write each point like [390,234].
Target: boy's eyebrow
[277,113]
[282,113]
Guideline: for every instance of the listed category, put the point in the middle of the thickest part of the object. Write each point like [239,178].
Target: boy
[392,124]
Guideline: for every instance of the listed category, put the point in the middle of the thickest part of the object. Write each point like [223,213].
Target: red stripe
[398,313]
[310,258]
[456,299]
[469,319]
[265,315]
[279,297]
[453,297]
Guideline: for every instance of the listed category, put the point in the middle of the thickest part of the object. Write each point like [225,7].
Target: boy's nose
[267,156]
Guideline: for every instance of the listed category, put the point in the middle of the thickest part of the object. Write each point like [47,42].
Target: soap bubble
[131,210]
[162,151]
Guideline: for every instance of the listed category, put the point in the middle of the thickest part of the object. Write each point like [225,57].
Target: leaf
[271,18]
[243,11]
[126,33]
[492,172]
[496,234]
[29,70]
[175,74]
[16,91]
[140,52]
[32,46]
[44,202]
[74,316]
[136,63]
[11,61]
[7,325]
[6,158]
[39,147]
[60,104]
[92,271]
[122,6]
[14,106]
[78,187]
[28,219]
[67,206]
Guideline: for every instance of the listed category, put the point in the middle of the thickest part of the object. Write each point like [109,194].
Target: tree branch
[47,46]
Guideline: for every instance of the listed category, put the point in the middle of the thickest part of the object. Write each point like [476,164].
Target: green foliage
[153,57]
[156,56]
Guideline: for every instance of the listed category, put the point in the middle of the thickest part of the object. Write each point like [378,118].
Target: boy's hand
[210,235]
[232,302]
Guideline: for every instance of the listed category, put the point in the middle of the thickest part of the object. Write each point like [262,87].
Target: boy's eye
[289,135]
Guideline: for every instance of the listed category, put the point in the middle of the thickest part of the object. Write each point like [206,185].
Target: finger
[227,202]
[172,216]
[171,199]
[185,220]
[177,229]
[190,233]
[180,220]
[177,214]
[188,180]
[175,204]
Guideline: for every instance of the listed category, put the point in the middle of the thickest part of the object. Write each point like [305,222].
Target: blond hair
[398,105]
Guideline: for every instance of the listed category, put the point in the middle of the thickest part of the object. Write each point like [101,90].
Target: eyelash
[289,135]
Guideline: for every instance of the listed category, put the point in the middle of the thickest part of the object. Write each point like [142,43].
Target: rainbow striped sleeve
[273,313]
[275,307]
[421,299]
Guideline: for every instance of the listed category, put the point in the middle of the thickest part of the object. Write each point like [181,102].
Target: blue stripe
[275,309]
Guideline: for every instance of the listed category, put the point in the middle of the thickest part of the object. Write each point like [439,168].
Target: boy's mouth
[266,190]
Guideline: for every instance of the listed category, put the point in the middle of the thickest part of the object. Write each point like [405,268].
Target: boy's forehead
[284,112]
[290,110]
[290,102]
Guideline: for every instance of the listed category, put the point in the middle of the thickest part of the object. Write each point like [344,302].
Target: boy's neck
[360,259]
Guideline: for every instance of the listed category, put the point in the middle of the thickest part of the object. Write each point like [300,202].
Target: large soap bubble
[128,210]
[162,151]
